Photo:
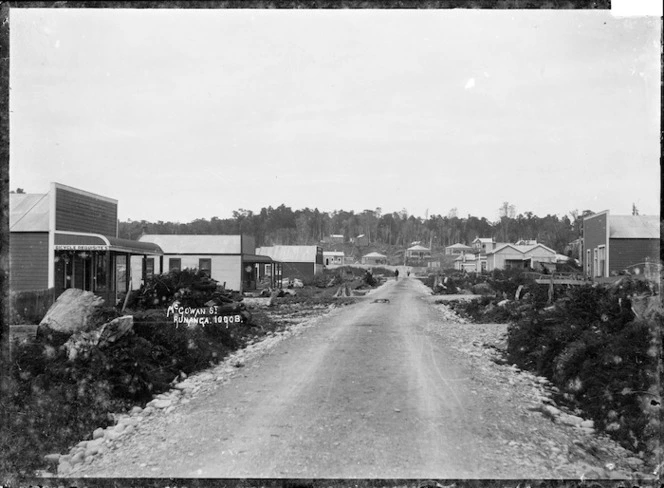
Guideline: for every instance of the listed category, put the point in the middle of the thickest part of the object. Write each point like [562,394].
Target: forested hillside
[283,225]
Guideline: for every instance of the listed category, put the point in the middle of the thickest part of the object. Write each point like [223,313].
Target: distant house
[303,262]
[508,256]
[335,239]
[333,258]
[483,245]
[68,238]
[456,249]
[374,258]
[361,240]
[466,262]
[614,243]
[418,252]
[228,259]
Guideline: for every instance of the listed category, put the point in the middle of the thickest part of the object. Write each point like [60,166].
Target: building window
[268,270]
[595,263]
[174,264]
[149,268]
[588,271]
[205,265]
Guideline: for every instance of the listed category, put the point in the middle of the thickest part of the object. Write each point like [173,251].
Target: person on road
[396,274]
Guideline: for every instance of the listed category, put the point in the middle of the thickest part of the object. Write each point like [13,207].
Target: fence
[30,306]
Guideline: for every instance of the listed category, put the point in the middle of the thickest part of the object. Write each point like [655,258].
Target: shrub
[592,348]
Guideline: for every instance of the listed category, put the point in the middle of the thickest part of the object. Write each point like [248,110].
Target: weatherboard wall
[28,261]
[624,253]
[78,211]
[225,268]
[595,234]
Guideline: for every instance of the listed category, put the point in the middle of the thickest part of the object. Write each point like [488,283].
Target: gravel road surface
[380,389]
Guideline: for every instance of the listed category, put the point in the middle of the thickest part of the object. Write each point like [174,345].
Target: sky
[186,114]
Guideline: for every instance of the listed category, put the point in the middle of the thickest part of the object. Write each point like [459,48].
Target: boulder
[71,312]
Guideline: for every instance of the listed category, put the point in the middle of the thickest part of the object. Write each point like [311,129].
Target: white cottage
[513,256]
[228,259]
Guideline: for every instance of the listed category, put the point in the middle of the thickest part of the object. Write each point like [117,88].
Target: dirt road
[370,391]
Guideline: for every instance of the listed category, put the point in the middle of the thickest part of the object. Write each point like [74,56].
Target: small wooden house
[303,262]
[333,258]
[374,258]
[457,249]
[229,259]
[418,252]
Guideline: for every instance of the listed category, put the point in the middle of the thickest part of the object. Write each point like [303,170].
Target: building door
[121,275]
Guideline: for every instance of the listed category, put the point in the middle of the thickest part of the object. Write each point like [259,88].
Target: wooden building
[333,258]
[67,238]
[303,262]
[509,256]
[457,249]
[418,252]
[374,258]
[615,243]
[229,259]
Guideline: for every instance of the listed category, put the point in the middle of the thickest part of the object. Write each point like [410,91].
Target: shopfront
[97,263]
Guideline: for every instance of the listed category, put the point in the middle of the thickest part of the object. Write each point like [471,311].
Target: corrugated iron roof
[333,253]
[374,255]
[418,248]
[634,227]
[458,246]
[28,212]
[521,249]
[290,254]
[195,244]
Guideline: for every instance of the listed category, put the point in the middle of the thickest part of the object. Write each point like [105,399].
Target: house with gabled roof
[508,256]
[418,252]
[612,244]
[457,248]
